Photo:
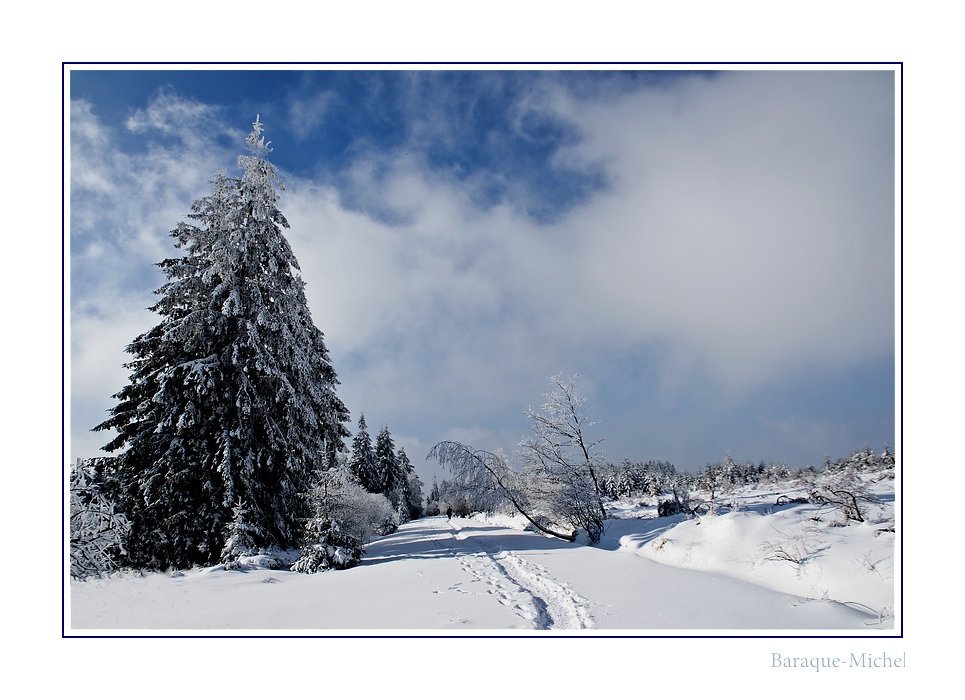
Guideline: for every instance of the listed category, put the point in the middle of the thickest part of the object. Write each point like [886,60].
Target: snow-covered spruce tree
[387,466]
[433,499]
[240,534]
[232,395]
[411,500]
[362,462]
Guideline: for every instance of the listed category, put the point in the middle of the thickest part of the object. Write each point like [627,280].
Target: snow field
[469,575]
[798,548]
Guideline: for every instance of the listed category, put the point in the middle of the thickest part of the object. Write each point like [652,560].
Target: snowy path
[527,588]
[464,576]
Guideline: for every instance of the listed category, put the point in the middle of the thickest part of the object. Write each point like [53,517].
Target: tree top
[255,141]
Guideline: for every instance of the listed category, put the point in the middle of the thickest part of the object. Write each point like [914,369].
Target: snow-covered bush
[844,489]
[680,503]
[846,484]
[796,548]
[97,533]
[345,518]
[320,557]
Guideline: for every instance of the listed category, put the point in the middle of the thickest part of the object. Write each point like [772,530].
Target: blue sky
[713,253]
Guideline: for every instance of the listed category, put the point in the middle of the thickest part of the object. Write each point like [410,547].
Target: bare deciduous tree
[561,461]
[844,490]
[491,477]
[557,487]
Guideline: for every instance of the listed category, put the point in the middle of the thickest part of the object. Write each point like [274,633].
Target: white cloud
[753,240]
[750,220]
[194,123]
[305,115]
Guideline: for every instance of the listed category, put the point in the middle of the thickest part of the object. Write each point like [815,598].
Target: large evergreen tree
[231,408]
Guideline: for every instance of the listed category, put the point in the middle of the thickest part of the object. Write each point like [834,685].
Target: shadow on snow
[435,538]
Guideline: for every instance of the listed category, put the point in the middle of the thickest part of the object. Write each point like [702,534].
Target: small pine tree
[387,466]
[433,501]
[362,463]
[344,517]
[412,493]
[241,535]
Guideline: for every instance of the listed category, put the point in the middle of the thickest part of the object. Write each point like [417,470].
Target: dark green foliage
[388,480]
[362,463]
[410,501]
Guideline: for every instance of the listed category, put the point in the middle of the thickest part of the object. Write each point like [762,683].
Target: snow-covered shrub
[320,557]
[97,532]
[796,548]
[679,486]
[844,489]
[846,483]
[345,518]
[680,503]
[366,515]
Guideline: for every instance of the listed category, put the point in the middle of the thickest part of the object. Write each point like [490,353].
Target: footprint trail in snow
[526,588]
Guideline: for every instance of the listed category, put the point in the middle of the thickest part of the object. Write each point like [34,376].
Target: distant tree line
[836,481]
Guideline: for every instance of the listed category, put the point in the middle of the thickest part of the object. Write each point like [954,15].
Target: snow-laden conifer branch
[98,533]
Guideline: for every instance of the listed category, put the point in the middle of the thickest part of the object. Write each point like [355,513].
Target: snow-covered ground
[753,566]
[797,549]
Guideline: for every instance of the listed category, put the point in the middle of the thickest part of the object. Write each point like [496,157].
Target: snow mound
[801,549]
